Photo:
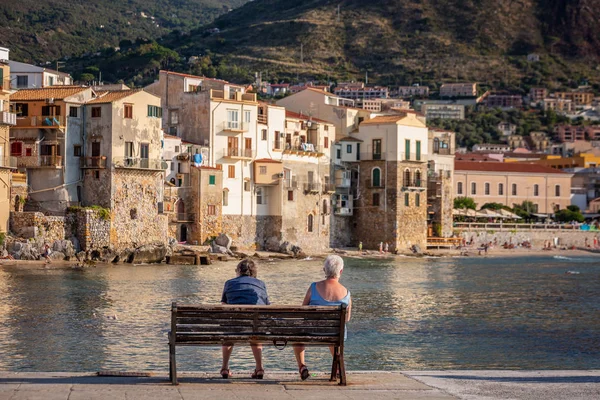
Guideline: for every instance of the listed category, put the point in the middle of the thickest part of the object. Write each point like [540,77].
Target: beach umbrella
[489,213]
[508,214]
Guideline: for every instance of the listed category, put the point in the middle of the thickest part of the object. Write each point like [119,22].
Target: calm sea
[435,313]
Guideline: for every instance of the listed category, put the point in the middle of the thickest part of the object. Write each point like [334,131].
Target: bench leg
[334,365]
[342,367]
[172,365]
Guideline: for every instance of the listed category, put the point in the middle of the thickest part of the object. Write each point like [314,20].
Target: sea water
[407,314]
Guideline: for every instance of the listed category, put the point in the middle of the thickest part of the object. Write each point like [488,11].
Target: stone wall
[39,226]
[97,187]
[341,232]
[93,232]
[536,238]
[251,232]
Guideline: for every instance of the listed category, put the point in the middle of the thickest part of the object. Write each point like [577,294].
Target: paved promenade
[430,385]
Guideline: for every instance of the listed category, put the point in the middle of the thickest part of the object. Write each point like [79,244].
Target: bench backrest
[223,324]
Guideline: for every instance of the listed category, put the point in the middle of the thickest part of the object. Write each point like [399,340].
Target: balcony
[92,162]
[413,157]
[262,119]
[234,127]
[238,154]
[183,217]
[8,162]
[329,188]
[5,86]
[8,118]
[312,187]
[232,96]
[343,182]
[375,184]
[139,163]
[183,156]
[414,184]
[290,184]
[57,121]
[369,156]
[39,161]
[442,151]
[342,211]
[304,149]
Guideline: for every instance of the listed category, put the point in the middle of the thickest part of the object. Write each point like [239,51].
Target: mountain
[411,41]
[38,31]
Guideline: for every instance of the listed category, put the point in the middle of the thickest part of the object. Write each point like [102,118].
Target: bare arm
[307,298]
[349,310]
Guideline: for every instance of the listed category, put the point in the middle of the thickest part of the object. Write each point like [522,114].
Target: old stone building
[440,175]
[123,169]
[7,163]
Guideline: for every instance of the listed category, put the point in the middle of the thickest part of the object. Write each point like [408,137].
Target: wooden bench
[210,325]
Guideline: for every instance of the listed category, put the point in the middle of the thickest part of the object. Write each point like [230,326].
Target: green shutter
[418,150]
[406,200]
[407,149]
[212,179]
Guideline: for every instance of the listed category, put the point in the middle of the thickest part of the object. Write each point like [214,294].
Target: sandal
[304,372]
[258,374]
[225,373]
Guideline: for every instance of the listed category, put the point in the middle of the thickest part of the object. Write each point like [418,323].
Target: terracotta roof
[114,96]
[384,119]
[350,139]
[167,136]
[53,92]
[267,160]
[291,114]
[488,166]
[198,77]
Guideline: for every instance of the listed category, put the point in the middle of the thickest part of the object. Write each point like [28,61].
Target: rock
[216,249]
[17,247]
[107,255]
[301,254]
[224,241]
[81,256]
[124,256]
[295,250]
[416,249]
[172,242]
[57,255]
[149,254]
[272,244]
[76,245]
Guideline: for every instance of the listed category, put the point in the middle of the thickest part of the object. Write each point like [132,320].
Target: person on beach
[359,246]
[595,242]
[328,292]
[46,254]
[386,248]
[244,289]
[380,247]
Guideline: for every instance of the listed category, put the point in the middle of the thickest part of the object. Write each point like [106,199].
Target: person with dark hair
[245,289]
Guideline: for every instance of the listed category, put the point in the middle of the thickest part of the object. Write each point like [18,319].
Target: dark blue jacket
[245,290]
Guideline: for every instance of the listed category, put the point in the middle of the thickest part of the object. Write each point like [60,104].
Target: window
[246,186]
[349,149]
[22,81]
[97,174]
[376,199]
[176,149]
[74,112]
[357,151]
[459,188]
[406,182]
[514,189]
[417,200]
[129,149]
[231,171]
[211,210]
[22,109]
[128,111]
[16,149]
[144,150]
[407,149]
[96,112]
[309,222]
[262,170]
[501,189]
[233,119]
[486,189]
[406,200]
[326,127]
[173,165]
[536,190]
[260,196]
[174,117]
[376,177]
[326,142]
[263,135]
[417,178]
[325,207]
[50,81]
[290,195]
[154,111]
[50,111]
[225,197]
[338,152]
[212,179]
[133,213]
[418,150]
[76,150]
[473,188]
[28,152]
[247,116]
[557,190]
[277,140]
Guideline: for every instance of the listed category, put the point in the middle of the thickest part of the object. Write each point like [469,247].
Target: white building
[27,76]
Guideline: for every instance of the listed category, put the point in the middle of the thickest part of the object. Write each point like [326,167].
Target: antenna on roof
[338,13]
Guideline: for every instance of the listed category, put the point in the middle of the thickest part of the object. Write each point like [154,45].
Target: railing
[39,161]
[8,162]
[413,157]
[442,152]
[290,184]
[343,182]
[234,126]
[474,226]
[329,188]
[232,152]
[183,217]
[303,148]
[342,211]
[369,156]
[41,121]
[183,156]
[413,183]
[262,119]
[235,96]
[8,118]
[438,175]
[312,187]
[375,184]
[92,162]
[5,85]
[139,163]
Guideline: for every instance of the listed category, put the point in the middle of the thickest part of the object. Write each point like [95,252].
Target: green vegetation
[103,213]
[464,202]
[2,238]
[494,206]
[571,213]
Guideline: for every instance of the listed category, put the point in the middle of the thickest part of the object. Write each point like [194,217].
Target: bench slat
[262,316]
[246,308]
[259,323]
[237,338]
[276,330]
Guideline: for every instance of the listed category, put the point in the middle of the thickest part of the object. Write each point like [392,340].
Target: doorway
[183,234]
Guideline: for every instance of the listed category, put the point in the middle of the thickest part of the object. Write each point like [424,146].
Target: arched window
[501,189]
[536,190]
[376,177]
[459,188]
[225,197]
[418,178]
[473,187]
[486,188]
[436,145]
[180,207]
[557,190]
[406,177]
[406,200]
[309,222]
[417,200]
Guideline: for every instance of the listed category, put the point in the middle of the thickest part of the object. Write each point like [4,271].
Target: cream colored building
[440,178]
[512,184]
[560,105]
[28,76]
[7,163]
[458,90]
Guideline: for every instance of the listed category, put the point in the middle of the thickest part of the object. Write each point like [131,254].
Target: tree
[567,215]
[493,206]
[465,202]
[86,77]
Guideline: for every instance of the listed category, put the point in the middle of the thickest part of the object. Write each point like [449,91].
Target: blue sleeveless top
[317,300]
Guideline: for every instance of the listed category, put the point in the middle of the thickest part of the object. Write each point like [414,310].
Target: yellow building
[581,160]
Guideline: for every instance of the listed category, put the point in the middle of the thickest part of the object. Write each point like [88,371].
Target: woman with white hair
[328,292]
